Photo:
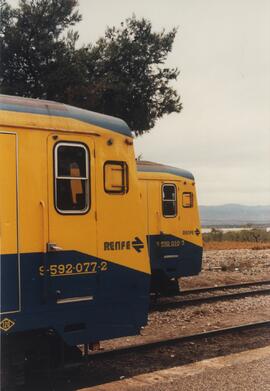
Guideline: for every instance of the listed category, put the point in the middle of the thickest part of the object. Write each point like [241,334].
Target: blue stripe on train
[116,303]
[156,167]
[39,106]
[176,257]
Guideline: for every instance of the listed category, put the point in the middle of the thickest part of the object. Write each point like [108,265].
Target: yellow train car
[172,224]
[74,258]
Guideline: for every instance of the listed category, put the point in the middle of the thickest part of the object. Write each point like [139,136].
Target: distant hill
[234,214]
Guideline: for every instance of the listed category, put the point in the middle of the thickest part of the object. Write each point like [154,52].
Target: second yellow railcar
[172,224]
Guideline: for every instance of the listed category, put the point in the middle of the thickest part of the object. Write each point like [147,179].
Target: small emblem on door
[6,324]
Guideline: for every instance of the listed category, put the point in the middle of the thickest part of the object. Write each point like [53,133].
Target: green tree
[126,75]
[37,59]
[122,74]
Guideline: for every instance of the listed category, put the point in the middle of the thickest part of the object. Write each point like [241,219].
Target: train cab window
[169,204]
[187,200]
[116,177]
[71,175]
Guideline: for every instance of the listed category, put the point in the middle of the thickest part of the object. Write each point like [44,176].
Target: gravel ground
[253,376]
[230,266]
[246,371]
[199,318]
[251,265]
[101,370]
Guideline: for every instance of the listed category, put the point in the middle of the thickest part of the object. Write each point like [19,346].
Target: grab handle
[51,247]
[44,253]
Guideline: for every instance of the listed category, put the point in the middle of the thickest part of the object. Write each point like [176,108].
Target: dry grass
[235,245]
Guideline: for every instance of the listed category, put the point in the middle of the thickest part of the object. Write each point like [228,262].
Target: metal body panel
[56,286]
[9,236]
[119,305]
[174,242]
[144,166]
[70,231]
[56,109]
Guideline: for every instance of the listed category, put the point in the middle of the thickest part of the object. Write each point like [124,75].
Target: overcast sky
[222,49]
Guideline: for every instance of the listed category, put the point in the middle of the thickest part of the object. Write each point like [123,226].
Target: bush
[254,235]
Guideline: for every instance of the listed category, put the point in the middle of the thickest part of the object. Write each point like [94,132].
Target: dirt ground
[230,266]
[235,245]
[219,267]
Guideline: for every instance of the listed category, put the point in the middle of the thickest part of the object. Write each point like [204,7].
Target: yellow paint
[43,122]
[76,184]
[8,186]
[187,220]
[111,217]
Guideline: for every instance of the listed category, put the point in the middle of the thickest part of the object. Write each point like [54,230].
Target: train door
[153,207]
[169,208]
[151,196]
[145,208]
[166,246]
[9,225]
[71,246]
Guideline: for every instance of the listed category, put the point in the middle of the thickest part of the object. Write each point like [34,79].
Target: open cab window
[115,177]
[71,175]
[187,200]
[169,200]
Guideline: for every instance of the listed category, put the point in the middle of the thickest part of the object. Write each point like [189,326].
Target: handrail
[44,252]
[43,206]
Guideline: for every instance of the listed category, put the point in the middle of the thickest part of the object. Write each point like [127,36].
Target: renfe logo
[121,245]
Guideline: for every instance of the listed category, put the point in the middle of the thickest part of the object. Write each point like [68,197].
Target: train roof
[50,108]
[145,166]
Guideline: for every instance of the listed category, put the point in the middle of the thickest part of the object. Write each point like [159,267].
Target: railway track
[101,358]
[142,347]
[104,366]
[167,353]
[178,302]
[223,287]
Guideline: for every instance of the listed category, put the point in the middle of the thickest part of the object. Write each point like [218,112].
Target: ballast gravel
[245,371]
[230,266]
[251,264]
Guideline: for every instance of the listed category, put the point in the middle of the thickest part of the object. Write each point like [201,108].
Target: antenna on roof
[139,157]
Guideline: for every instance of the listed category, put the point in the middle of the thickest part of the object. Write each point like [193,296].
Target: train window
[187,200]
[169,204]
[71,175]
[116,177]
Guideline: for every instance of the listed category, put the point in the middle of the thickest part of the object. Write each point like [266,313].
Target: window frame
[191,198]
[86,178]
[175,201]
[125,171]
